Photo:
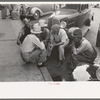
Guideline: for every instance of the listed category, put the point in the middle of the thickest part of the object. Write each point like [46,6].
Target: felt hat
[42,23]
[77,32]
[36,29]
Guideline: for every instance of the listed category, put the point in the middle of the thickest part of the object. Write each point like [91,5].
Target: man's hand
[53,45]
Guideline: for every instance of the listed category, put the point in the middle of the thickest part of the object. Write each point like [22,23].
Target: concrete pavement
[12,68]
[92,34]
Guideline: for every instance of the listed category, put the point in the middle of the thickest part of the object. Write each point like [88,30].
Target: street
[12,68]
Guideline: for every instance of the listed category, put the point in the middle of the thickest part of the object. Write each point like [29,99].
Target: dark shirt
[45,35]
[26,32]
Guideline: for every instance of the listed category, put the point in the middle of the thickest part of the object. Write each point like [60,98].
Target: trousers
[37,55]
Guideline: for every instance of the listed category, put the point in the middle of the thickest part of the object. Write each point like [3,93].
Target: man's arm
[38,43]
[80,49]
[64,38]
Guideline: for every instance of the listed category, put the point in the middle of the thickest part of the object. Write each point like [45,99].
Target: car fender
[35,9]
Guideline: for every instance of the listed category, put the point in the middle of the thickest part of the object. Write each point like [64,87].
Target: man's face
[77,39]
[26,23]
[54,32]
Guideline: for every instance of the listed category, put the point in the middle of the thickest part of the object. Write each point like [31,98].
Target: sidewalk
[12,68]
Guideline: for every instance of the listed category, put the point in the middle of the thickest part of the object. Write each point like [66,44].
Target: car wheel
[36,15]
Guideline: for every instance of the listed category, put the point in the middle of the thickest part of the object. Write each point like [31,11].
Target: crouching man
[32,49]
[45,35]
[58,38]
[82,49]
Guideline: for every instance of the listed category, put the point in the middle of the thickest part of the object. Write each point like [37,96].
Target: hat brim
[34,32]
[76,36]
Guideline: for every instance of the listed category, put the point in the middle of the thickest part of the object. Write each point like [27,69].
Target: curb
[45,74]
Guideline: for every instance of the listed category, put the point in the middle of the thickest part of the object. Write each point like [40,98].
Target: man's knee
[43,54]
[61,47]
[43,51]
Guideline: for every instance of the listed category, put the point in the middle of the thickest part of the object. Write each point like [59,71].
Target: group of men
[39,41]
[7,10]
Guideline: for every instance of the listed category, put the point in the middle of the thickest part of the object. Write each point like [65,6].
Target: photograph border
[25,90]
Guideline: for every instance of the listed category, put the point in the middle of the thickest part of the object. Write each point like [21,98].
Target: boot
[44,64]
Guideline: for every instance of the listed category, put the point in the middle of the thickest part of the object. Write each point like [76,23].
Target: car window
[83,7]
[72,6]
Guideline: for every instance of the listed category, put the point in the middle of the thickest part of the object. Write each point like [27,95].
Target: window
[85,6]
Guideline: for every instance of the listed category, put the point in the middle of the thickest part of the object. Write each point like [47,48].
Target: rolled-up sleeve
[38,43]
[42,46]
[64,36]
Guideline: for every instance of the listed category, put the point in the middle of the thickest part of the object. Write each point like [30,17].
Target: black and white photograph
[50,49]
[49,42]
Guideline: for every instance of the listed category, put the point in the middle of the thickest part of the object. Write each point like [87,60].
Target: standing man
[4,11]
[32,49]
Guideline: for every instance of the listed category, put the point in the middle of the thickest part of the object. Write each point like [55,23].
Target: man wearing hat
[32,49]
[82,49]
[45,35]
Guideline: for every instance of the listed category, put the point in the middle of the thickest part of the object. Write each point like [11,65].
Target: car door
[83,16]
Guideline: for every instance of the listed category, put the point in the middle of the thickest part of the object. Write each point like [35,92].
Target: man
[4,11]
[45,35]
[24,31]
[59,38]
[82,50]
[32,49]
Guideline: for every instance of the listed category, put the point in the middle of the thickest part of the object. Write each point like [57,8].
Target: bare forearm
[60,43]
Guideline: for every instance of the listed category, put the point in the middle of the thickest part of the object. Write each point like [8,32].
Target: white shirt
[63,35]
[30,43]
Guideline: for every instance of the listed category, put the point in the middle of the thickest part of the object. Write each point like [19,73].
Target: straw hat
[77,32]
[42,23]
[36,29]
[63,24]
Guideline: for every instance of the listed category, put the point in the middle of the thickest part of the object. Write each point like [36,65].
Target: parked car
[37,10]
[75,15]
[97,6]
